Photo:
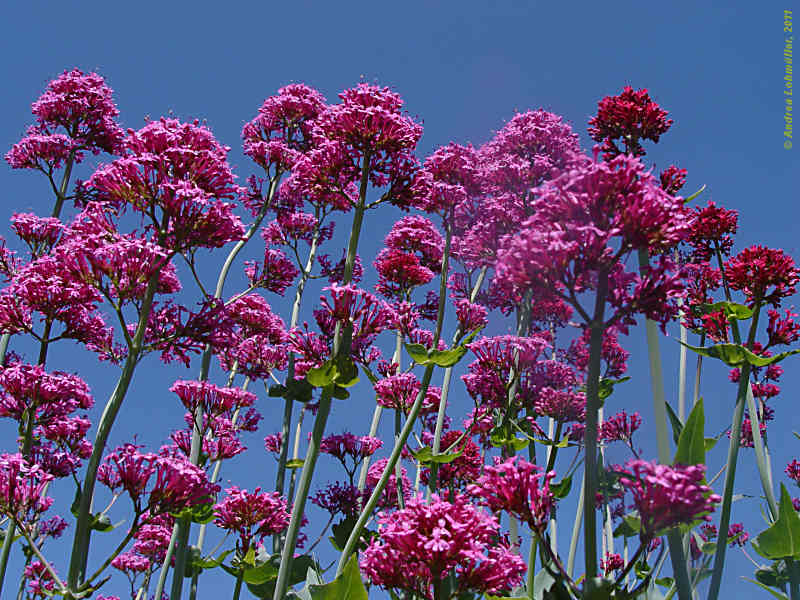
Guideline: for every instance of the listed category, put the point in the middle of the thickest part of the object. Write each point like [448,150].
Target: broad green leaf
[339,393]
[782,539]
[200,513]
[102,522]
[300,390]
[418,353]
[322,376]
[261,574]
[736,355]
[348,586]
[295,463]
[562,488]
[631,525]
[775,593]
[447,358]
[675,421]
[213,563]
[425,455]
[731,310]
[774,576]
[266,574]
[277,391]
[607,386]
[691,442]
[500,440]
[346,372]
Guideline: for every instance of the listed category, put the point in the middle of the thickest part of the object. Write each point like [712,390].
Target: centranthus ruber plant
[518,274]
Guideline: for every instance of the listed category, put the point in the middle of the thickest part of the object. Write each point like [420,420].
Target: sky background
[463,68]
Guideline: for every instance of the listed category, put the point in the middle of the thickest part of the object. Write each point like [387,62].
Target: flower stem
[183,525]
[341,347]
[80,545]
[238,589]
[676,554]
[366,512]
[596,327]
[730,467]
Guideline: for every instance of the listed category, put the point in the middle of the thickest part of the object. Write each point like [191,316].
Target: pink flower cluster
[666,496]
[252,515]
[418,546]
[156,484]
[519,488]
[80,106]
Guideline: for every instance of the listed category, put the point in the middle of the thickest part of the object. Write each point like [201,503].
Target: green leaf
[731,310]
[425,455]
[339,392]
[322,376]
[199,513]
[418,353]
[607,386]
[447,358]
[262,578]
[277,391]
[695,195]
[562,488]
[782,539]
[736,355]
[675,421]
[261,574]
[346,372]
[502,439]
[102,522]
[691,442]
[710,443]
[347,586]
[779,595]
[630,526]
[774,576]
[300,390]
[295,463]
[213,563]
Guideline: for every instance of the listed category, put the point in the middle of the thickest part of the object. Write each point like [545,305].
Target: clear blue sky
[463,68]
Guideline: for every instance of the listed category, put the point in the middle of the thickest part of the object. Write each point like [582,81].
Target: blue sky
[463,68]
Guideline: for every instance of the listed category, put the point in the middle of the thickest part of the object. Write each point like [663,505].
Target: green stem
[238,589]
[387,471]
[183,525]
[664,455]
[80,545]
[341,347]
[448,375]
[366,512]
[288,407]
[730,468]
[576,530]
[4,340]
[596,327]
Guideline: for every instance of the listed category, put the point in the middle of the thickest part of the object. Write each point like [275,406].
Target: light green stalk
[675,544]
[341,347]
[4,340]
[366,512]
[183,526]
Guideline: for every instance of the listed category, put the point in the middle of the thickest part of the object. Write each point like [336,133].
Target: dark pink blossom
[764,275]
[666,496]
[282,127]
[712,228]
[620,427]
[672,179]
[420,545]
[628,118]
[252,515]
[519,488]
[80,106]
